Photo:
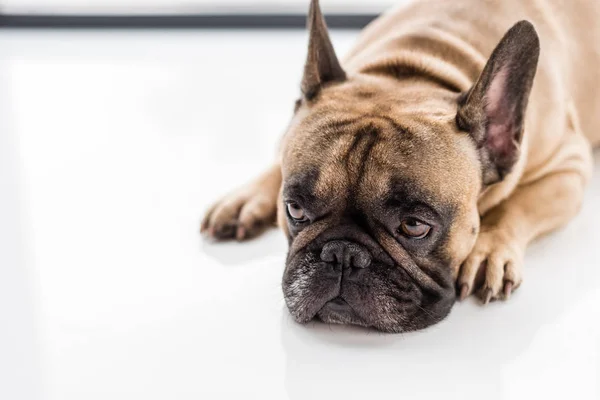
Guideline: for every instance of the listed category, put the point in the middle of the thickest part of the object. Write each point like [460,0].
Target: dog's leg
[532,210]
[247,212]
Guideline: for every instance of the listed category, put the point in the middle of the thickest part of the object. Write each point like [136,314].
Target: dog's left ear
[493,111]
[322,65]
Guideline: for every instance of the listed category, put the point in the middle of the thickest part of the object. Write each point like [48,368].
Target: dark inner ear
[493,111]
[322,65]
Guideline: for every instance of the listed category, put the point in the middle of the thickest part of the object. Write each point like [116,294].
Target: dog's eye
[296,212]
[414,229]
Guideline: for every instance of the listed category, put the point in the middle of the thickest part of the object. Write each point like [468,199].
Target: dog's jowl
[417,170]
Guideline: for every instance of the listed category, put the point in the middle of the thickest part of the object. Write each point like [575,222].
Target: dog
[416,171]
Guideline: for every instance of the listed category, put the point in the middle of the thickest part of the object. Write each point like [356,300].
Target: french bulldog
[417,171]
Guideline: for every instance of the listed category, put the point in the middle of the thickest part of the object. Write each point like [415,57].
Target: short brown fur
[398,108]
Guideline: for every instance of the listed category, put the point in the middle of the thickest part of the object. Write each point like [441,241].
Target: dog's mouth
[338,311]
[382,297]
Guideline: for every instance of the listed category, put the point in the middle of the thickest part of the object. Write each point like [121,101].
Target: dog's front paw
[493,269]
[241,215]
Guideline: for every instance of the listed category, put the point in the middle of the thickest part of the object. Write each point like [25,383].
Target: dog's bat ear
[493,110]
[322,65]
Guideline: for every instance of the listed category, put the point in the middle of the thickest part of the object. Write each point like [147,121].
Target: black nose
[345,253]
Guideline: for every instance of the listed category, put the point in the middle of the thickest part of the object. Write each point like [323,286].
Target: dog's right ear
[322,65]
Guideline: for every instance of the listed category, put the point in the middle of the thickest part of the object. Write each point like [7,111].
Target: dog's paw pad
[493,269]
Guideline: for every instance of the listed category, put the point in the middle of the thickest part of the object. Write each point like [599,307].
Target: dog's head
[381,178]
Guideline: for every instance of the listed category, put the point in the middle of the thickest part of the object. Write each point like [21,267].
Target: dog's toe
[240,216]
[493,269]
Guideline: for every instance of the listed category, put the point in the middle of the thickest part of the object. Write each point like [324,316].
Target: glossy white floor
[111,147]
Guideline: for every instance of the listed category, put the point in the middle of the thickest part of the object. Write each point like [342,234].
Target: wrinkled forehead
[373,157]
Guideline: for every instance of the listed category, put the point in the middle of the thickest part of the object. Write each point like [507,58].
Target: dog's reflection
[324,361]
[470,353]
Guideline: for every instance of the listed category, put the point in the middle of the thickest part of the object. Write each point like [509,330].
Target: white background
[182,6]
[111,147]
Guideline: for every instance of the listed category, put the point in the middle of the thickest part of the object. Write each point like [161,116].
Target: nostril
[362,260]
[347,254]
[329,253]
[327,256]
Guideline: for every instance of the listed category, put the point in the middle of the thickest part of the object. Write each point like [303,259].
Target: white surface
[111,147]
[186,6]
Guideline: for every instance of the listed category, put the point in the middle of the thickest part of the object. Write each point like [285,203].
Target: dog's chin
[338,311]
[381,297]
[379,311]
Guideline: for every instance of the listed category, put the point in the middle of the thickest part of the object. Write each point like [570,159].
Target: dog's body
[415,116]
[453,39]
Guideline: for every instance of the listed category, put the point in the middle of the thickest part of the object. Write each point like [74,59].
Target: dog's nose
[345,253]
